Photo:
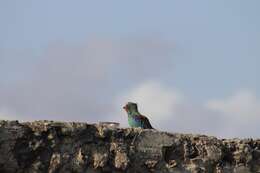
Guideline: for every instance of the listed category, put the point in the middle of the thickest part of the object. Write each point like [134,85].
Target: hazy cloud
[78,82]
[154,99]
[242,104]
[91,81]
[240,113]
[169,109]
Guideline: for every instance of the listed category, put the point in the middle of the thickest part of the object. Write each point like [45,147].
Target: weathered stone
[121,160]
[54,162]
[100,159]
[47,146]
[151,163]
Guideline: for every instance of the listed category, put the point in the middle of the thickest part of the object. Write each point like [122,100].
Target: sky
[192,67]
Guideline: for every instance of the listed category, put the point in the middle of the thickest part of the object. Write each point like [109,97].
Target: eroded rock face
[45,146]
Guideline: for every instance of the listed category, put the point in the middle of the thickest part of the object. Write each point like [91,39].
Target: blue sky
[71,60]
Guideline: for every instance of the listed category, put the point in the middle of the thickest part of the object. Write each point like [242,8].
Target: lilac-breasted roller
[135,119]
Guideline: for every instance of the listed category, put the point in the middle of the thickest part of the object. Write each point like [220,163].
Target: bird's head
[130,107]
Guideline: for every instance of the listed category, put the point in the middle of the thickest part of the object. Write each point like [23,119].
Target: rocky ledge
[46,146]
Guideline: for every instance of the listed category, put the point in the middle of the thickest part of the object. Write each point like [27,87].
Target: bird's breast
[133,121]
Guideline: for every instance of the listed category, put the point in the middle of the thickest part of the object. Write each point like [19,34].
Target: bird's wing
[146,122]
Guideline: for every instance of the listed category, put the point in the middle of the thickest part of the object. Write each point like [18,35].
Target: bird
[135,119]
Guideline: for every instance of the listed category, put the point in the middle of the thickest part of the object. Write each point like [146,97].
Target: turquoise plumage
[135,119]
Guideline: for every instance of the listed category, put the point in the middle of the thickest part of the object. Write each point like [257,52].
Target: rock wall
[46,146]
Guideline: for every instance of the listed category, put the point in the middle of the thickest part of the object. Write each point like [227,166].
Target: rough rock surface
[46,146]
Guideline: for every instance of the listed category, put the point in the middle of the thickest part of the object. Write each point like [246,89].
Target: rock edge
[48,146]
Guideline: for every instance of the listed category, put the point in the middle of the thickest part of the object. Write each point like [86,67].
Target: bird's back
[140,121]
